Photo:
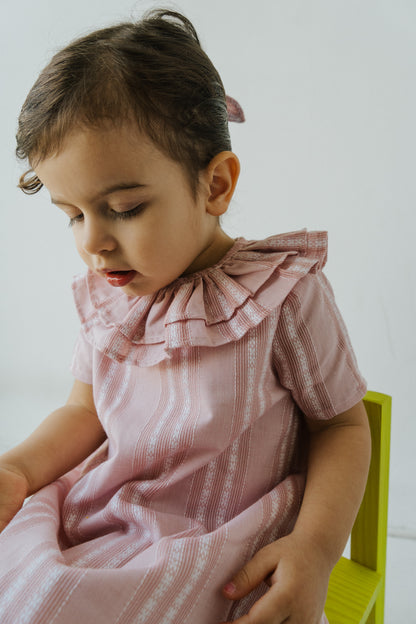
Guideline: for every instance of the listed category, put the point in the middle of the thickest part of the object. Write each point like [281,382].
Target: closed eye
[75,219]
[127,214]
[111,214]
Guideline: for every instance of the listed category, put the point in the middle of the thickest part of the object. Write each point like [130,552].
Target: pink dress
[201,389]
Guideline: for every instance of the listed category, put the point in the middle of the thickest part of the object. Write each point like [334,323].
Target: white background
[328,89]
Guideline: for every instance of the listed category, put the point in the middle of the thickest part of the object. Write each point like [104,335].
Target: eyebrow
[120,186]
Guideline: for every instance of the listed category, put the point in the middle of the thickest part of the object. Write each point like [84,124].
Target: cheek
[79,246]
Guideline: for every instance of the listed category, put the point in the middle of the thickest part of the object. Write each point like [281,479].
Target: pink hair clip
[234,110]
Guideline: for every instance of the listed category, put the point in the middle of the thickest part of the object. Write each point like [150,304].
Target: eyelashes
[112,215]
[74,220]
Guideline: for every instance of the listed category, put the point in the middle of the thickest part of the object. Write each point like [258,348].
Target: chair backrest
[369,535]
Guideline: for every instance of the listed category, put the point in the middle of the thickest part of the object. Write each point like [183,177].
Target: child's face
[134,217]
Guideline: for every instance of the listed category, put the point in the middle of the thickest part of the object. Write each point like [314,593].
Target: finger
[270,609]
[251,575]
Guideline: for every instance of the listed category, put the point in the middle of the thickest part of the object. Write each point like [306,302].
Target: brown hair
[153,71]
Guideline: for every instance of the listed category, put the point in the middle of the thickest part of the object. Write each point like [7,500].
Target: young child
[211,374]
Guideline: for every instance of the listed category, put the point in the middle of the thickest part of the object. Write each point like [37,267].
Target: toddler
[209,462]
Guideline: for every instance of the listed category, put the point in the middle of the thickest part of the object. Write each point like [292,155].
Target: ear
[222,175]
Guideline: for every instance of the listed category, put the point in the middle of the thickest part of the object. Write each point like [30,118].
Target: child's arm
[61,442]
[299,565]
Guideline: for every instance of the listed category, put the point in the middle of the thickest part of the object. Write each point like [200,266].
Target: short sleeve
[312,353]
[81,365]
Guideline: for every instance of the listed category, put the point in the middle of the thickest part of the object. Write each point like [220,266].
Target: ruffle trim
[209,308]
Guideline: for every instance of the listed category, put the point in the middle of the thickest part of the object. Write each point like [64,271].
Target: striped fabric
[201,390]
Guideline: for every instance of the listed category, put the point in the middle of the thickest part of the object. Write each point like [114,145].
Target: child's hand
[298,576]
[13,491]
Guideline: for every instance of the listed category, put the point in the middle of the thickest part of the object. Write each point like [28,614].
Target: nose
[97,235]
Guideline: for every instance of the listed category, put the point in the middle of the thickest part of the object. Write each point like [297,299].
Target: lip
[118,278]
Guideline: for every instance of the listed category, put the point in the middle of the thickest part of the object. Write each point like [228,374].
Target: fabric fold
[208,308]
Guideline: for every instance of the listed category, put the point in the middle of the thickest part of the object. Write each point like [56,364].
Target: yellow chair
[356,587]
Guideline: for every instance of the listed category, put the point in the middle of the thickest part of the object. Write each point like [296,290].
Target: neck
[212,253]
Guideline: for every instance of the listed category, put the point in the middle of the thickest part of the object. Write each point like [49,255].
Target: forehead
[108,140]
[92,159]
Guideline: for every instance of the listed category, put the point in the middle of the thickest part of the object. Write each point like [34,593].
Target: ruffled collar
[211,307]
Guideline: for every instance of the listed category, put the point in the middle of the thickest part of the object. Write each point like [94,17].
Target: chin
[138,290]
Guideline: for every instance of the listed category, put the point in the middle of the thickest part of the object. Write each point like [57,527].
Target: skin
[297,567]
[156,228]
[160,230]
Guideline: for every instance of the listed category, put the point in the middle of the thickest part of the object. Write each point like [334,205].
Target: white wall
[329,94]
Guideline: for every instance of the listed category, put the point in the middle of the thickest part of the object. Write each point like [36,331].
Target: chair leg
[372,617]
[377,612]
[379,607]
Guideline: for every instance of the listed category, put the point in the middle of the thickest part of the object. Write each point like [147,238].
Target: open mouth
[119,278]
